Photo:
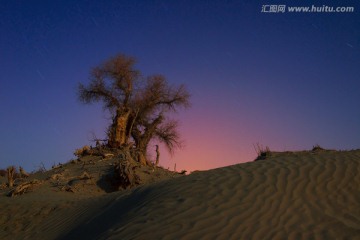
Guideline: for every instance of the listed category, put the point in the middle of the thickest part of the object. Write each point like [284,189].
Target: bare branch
[168,134]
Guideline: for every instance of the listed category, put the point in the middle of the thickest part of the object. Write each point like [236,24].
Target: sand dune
[292,196]
[301,195]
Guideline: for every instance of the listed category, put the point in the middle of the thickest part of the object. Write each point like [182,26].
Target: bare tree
[139,107]
[154,101]
[112,83]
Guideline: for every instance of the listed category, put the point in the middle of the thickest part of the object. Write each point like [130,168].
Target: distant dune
[291,195]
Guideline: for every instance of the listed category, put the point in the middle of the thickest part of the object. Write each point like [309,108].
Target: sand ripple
[291,196]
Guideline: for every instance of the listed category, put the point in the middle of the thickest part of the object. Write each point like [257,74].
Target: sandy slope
[303,195]
[292,196]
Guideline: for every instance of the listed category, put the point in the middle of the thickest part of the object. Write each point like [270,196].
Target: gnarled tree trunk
[118,136]
[142,139]
[141,152]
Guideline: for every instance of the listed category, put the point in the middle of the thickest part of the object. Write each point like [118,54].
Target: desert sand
[289,195]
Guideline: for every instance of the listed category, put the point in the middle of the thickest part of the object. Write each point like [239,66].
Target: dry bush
[262,153]
[317,148]
[40,169]
[23,173]
[85,150]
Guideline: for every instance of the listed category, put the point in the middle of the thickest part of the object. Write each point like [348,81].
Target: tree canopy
[139,105]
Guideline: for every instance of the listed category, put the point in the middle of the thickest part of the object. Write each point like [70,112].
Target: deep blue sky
[286,80]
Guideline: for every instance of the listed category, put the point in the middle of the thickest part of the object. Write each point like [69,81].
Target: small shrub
[23,173]
[262,153]
[85,150]
[40,169]
[317,148]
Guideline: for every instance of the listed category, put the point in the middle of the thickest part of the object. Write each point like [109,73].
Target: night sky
[284,80]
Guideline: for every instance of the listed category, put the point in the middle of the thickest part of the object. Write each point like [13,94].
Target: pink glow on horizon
[209,145]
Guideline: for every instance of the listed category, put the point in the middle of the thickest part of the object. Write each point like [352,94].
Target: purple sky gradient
[286,80]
